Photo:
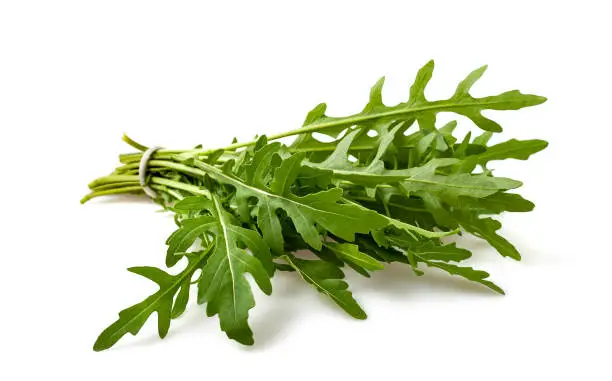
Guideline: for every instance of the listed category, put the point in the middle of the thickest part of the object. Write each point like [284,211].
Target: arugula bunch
[388,188]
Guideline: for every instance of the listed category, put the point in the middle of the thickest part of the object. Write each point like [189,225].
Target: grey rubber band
[142,171]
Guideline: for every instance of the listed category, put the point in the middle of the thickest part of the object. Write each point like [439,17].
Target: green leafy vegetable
[390,187]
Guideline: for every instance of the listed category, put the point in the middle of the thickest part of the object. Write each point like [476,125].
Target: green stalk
[182,186]
[133,143]
[117,184]
[106,192]
[313,127]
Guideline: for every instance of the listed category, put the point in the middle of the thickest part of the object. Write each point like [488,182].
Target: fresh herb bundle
[387,189]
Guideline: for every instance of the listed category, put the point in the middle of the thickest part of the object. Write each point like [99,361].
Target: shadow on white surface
[283,310]
[293,300]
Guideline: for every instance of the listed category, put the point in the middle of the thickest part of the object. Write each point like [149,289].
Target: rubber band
[142,171]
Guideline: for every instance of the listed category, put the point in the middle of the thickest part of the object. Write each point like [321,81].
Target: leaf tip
[101,344]
[135,269]
[516,256]
[540,99]
[266,287]
[162,332]
[244,338]
[360,315]
[533,100]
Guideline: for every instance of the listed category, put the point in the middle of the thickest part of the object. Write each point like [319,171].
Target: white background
[75,75]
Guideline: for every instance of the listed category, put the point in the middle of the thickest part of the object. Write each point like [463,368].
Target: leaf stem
[131,189]
[133,143]
[328,122]
[117,184]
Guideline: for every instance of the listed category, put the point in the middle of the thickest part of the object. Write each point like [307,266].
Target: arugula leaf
[511,149]
[349,252]
[326,278]
[438,256]
[457,185]
[429,251]
[486,228]
[468,273]
[419,108]
[223,285]
[497,203]
[132,319]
